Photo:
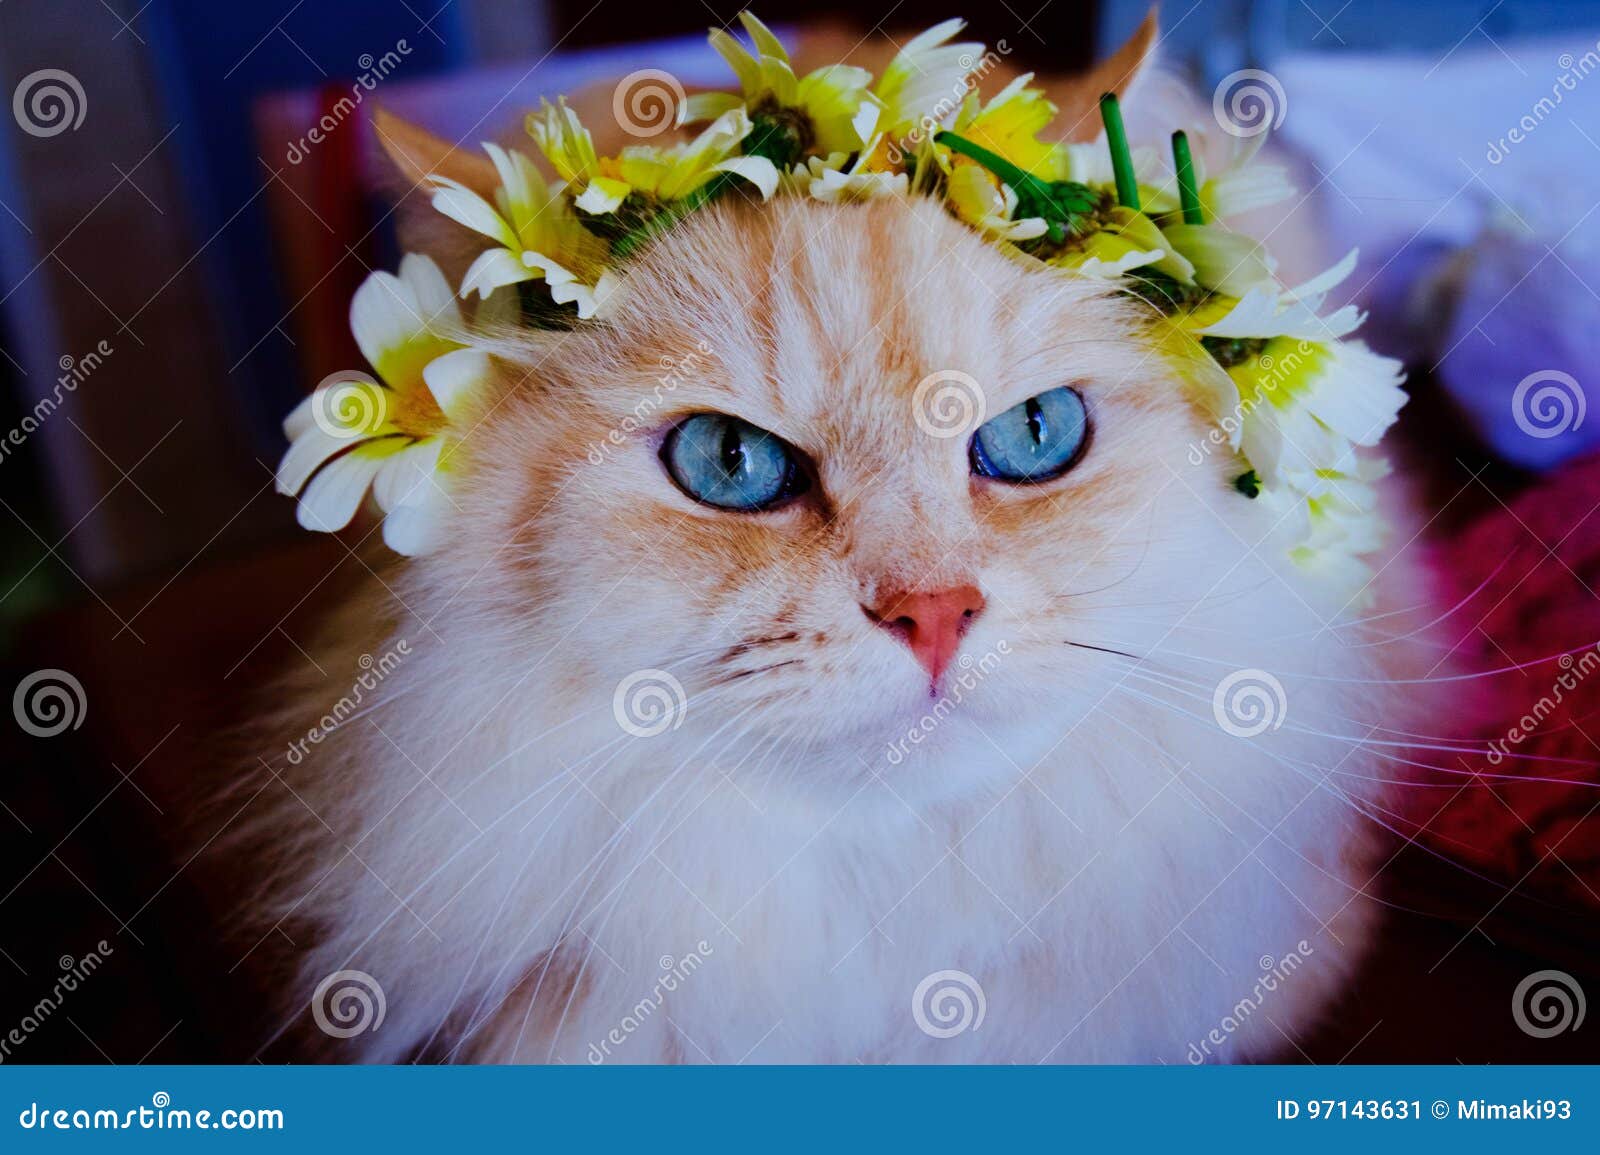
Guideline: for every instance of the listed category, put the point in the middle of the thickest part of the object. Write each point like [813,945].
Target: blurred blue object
[1522,336]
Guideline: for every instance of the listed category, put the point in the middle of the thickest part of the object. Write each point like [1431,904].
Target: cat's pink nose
[931,624]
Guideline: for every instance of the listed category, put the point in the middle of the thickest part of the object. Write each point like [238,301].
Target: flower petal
[407,478]
[766,43]
[492,269]
[415,530]
[466,207]
[334,495]
[603,195]
[704,106]
[758,170]
[455,377]
[305,456]
[743,64]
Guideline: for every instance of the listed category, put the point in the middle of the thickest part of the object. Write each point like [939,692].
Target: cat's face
[609,544]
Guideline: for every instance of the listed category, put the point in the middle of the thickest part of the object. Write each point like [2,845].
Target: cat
[914,766]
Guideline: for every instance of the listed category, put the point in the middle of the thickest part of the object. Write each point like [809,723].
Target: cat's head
[845,479]
[835,471]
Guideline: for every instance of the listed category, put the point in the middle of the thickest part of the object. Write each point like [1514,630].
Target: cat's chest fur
[1115,904]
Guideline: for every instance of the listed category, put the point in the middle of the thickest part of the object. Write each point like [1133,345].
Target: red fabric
[1538,560]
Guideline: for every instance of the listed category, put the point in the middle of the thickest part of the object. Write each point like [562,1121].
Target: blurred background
[189,194]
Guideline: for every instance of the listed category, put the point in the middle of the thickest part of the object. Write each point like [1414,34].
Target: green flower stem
[1022,182]
[1066,207]
[1188,195]
[1121,157]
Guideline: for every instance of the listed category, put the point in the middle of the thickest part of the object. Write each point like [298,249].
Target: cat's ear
[1078,97]
[417,154]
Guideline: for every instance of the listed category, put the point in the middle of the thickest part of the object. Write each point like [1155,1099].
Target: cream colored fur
[1078,834]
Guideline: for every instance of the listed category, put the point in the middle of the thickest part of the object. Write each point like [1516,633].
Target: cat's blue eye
[1035,441]
[731,464]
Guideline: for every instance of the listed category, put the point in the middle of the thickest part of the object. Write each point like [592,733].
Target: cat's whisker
[1427,627]
[1271,831]
[1411,739]
[1370,814]
[1432,680]
[1375,744]
[1218,597]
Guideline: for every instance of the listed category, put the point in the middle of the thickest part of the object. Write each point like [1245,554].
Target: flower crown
[1295,401]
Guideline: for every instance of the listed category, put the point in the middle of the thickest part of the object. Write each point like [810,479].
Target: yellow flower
[981,200]
[1241,185]
[1336,528]
[926,80]
[566,144]
[831,181]
[1125,240]
[663,173]
[392,435]
[538,236]
[827,111]
[1009,126]
[1308,404]
[1267,309]
[1224,262]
